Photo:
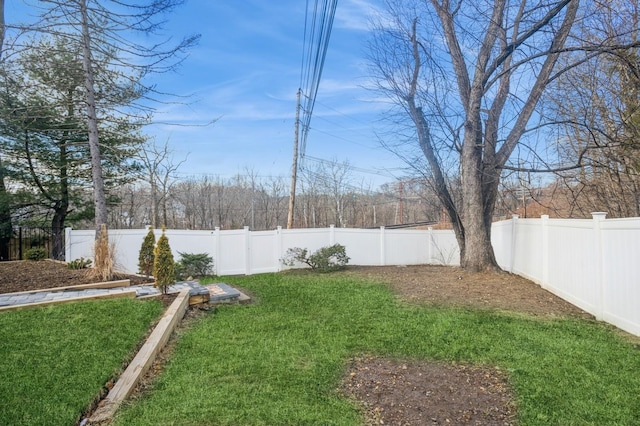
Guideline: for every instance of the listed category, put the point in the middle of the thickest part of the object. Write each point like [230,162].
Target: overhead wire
[315,52]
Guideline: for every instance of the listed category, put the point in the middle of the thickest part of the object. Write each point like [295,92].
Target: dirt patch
[30,275]
[452,286]
[392,392]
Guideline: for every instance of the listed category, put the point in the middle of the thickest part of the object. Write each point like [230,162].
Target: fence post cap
[599,215]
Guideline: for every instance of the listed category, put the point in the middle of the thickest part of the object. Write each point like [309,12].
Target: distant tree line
[324,198]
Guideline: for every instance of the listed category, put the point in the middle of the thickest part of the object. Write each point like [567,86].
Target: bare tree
[325,188]
[159,168]
[602,118]
[469,76]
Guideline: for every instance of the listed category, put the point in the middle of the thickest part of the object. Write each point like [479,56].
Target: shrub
[193,265]
[325,259]
[146,256]
[164,269]
[35,253]
[80,263]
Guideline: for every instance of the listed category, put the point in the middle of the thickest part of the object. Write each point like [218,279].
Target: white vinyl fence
[244,252]
[592,263]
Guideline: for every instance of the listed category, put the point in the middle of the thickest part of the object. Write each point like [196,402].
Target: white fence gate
[592,263]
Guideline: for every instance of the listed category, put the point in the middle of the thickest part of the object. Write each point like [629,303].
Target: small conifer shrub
[164,270]
[146,255]
[195,265]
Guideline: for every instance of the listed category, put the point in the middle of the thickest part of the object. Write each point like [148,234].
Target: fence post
[279,253]
[247,251]
[216,250]
[599,275]
[545,250]
[383,247]
[67,244]
[512,252]
[20,243]
[332,235]
[430,246]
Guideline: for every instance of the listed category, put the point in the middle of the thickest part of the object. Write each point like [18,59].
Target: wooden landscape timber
[142,361]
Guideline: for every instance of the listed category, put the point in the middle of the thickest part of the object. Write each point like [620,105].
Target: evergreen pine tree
[164,270]
[146,256]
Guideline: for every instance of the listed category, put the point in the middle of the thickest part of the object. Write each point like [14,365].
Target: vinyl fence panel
[621,273]
[592,263]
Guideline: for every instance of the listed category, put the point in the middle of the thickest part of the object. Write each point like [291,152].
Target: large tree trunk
[478,254]
[100,200]
[61,208]
[5,206]
[57,232]
[6,228]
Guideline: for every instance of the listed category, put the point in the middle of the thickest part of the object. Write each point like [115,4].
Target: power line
[384,173]
[311,73]
[316,51]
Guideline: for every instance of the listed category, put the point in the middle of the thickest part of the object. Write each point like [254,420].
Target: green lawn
[54,360]
[280,361]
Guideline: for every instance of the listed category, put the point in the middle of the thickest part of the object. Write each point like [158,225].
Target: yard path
[218,292]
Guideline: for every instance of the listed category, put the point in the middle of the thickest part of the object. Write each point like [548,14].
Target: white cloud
[356,14]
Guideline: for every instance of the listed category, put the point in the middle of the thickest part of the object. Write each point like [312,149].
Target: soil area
[28,275]
[391,391]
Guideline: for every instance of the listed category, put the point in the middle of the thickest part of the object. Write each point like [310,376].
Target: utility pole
[294,166]
[401,206]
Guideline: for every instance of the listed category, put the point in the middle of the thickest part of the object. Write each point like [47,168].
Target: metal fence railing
[14,244]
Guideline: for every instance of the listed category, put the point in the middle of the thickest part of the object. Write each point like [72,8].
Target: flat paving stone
[221,293]
[218,293]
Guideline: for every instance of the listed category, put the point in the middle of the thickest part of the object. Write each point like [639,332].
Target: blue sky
[246,72]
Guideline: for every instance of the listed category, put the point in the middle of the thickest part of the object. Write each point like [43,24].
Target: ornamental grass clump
[103,256]
[146,256]
[164,270]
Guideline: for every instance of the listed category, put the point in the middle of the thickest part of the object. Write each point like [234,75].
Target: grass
[55,360]
[280,361]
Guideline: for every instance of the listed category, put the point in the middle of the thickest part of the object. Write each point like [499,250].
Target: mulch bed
[28,275]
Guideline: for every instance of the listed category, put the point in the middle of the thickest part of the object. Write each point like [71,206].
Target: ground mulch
[28,275]
[392,391]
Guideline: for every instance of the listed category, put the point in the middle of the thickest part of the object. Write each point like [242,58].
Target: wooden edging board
[143,360]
